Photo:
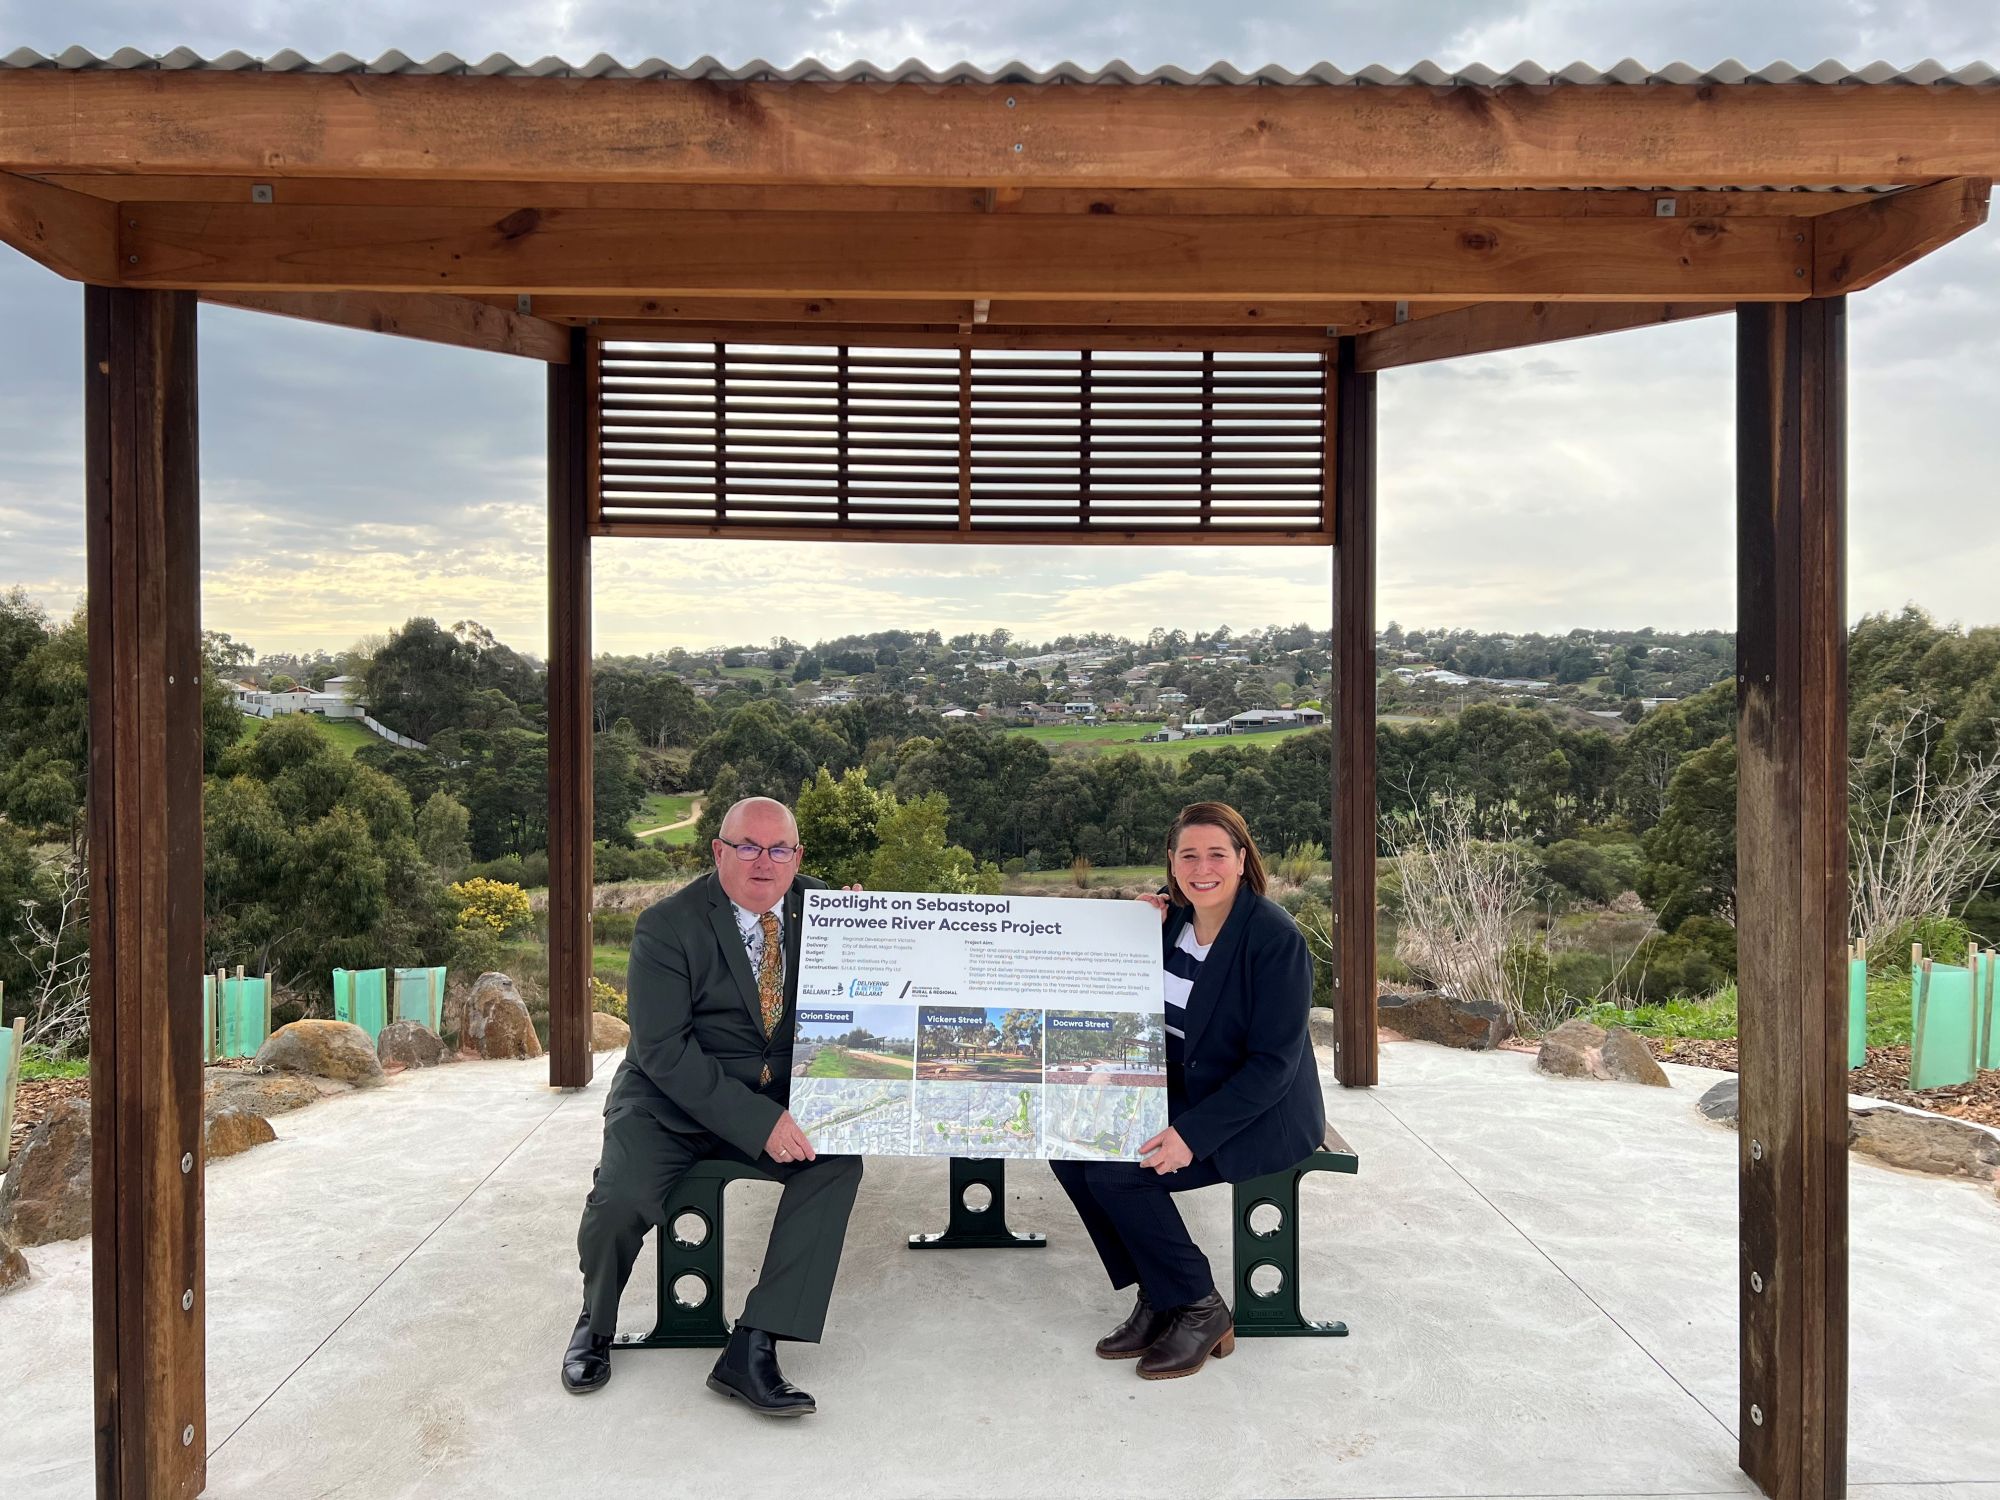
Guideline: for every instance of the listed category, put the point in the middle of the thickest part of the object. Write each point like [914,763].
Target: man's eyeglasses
[781,854]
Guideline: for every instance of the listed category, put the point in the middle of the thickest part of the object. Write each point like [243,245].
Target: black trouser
[1130,1213]
[642,1160]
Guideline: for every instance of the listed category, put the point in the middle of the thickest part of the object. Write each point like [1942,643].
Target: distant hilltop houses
[338,699]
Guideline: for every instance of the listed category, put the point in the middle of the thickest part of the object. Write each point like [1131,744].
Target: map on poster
[979,1026]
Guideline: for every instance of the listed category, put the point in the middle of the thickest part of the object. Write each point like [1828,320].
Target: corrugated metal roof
[708,69]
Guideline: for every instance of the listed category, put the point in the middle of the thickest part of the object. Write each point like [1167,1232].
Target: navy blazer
[1249,1086]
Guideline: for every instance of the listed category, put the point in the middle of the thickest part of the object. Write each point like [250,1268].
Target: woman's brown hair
[1230,821]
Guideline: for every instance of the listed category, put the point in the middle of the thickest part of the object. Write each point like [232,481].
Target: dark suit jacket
[1249,1087]
[698,1043]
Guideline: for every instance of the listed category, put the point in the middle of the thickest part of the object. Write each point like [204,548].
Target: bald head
[760,883]
[758,810]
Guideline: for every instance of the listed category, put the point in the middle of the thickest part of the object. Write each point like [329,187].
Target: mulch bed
[38,1096]
[1885,1075]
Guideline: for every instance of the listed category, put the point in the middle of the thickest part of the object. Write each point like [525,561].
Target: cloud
[351,481]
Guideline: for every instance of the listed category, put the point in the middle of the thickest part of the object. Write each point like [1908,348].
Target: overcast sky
[350,481]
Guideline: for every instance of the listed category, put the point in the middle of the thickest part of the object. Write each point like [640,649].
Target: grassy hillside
[347,735]
[1115,739]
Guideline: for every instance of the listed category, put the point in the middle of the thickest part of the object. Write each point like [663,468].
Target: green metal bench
[1265,1221]
[1266,1235]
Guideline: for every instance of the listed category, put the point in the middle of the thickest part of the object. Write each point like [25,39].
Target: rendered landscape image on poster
[1107,1072]
[978,1119]
[970,1044]
[855,1041]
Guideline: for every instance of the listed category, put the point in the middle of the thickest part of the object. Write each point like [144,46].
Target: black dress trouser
[644,1157]
[1130,1214]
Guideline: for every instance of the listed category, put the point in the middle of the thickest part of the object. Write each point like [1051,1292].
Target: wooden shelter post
[570,755]
[144,618]
[1792,894]
[1351,711]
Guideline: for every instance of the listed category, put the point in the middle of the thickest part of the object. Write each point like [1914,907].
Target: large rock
[1583,1049]
[1626,1057]
[494,1022]
[263,1093]
[13,1266]
[339,1050]
[607,1032]
[1720,1102]
[1433,1017]
[230,1132]
[47,1193]
[1323,1026]
[408,1044]
[1567,1051]
[1924,1143]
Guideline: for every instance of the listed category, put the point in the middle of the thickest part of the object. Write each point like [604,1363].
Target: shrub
[613,926]
[1300,862]
[499,907]
[607,998]
[1582,871]
[1079,872]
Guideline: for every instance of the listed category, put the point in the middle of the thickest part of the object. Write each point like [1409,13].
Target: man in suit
[711,996]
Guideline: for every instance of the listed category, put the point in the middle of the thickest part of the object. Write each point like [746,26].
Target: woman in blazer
[1242,1091]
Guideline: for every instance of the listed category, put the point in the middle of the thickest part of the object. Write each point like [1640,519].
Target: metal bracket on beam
[260,192]
[1666,208]
[1402,312]
[524,304]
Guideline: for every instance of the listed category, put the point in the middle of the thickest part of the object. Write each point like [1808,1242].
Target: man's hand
[789,1143]
[1164,1153]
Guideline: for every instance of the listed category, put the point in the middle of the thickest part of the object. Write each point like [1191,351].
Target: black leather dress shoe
[1136,1334]
[587,1360]
[1198,1330]
[748,1371]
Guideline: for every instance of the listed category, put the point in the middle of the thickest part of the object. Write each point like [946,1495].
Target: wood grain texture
[1351,713]
[561,192]
[942,313]
[571,762]
[1861,245]
[1489,327]
[596,130]
[72,234]
[432,319]
[250,247]
[1792,897]
[145,808]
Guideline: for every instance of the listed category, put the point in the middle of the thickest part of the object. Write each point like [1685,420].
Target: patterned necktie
[770,982]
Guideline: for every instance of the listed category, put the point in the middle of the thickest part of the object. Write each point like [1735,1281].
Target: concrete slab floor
[1539,1275]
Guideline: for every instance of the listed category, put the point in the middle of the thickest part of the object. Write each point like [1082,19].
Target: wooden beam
[1107,535]
[142,539]
[1351,713]
[434,319]
[72,234]
[1574,203]
[572,400]
[596,130]
[1791,896]
[247,247]
[1488,327]
[1858,246]
[833,311]
[970,336]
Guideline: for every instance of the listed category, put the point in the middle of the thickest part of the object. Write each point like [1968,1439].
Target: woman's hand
[1165,1152]
[1155,900]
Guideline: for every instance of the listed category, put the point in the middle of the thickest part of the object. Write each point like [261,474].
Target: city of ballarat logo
[822,989]
[864,989]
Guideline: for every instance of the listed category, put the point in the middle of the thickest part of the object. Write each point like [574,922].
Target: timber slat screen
[945,444]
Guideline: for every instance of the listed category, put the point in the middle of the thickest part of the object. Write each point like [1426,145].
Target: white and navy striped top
[1182,965]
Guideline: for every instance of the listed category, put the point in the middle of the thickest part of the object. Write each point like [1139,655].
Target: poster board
[979,1026]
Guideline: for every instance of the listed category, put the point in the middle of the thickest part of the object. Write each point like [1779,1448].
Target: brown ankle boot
[1136,1334]
[1197,1331]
